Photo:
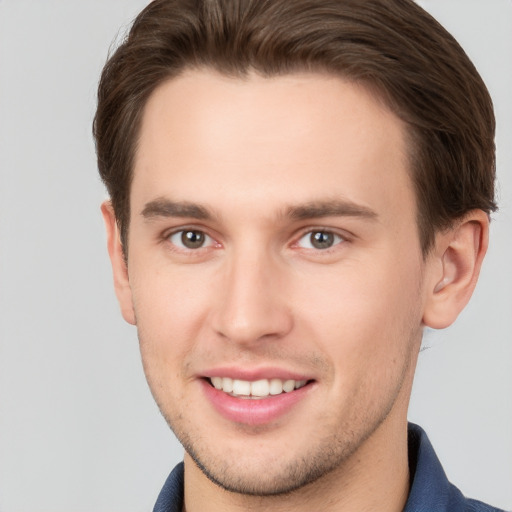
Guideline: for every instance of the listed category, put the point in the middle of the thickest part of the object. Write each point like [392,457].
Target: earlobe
[454,268]
[119,268]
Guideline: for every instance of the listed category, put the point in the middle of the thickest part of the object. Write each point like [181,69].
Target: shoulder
[170,498]
[470,505]
[459,503]
[430,489]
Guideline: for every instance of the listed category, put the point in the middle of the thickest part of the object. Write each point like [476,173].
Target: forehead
[229,142]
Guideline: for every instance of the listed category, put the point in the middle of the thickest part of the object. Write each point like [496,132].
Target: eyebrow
[334,208]
[162,207]
[165,208]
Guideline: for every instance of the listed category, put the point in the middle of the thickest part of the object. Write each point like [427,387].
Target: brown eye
[319,240]
[190,239]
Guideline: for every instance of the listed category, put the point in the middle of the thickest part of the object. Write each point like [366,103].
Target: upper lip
[254,374]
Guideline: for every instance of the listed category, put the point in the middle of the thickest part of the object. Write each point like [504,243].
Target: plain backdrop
[78,428]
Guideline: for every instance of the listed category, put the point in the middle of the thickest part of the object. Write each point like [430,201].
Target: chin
[270,472]
[268,480]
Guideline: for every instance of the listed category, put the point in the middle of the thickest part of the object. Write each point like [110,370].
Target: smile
[256,401]
[255,389]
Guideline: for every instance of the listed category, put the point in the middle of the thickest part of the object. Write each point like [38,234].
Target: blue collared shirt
[430,490]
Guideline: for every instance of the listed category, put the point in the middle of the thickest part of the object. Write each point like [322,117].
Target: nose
[252,305]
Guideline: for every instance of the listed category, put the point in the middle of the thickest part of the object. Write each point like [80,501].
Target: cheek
[166,328]
[364,314]
[170,308]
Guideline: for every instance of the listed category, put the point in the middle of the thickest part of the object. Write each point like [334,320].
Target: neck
[375,477]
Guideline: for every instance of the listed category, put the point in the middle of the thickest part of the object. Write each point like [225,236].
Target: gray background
[78,427]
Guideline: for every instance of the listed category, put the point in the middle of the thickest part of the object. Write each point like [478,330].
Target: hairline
[378,93]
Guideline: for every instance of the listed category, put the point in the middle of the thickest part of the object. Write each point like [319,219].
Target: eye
[190,239]
[319,240]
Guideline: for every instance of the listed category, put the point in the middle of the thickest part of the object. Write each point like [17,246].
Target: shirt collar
[430,489]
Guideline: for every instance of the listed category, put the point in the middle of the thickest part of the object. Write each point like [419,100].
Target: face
[274,273]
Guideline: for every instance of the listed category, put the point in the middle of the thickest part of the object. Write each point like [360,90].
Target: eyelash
[178,246]
[181,232]
[337,239]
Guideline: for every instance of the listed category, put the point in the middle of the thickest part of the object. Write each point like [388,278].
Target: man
[297,190]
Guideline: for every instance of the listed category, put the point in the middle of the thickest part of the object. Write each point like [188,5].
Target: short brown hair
[392,46]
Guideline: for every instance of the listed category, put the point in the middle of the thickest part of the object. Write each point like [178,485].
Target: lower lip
[251,411]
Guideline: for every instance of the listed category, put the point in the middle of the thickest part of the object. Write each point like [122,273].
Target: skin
[255,155]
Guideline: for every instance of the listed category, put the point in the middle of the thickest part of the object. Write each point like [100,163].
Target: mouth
[257,399]
[257,389]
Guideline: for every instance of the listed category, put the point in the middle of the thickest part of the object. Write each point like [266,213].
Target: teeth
[227,384]
[276,387]
[260,388]
[217,382]
[241,387]
[257,389]
[289,385]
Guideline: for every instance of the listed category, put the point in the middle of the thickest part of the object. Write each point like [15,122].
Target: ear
[119,268]
[454,267]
